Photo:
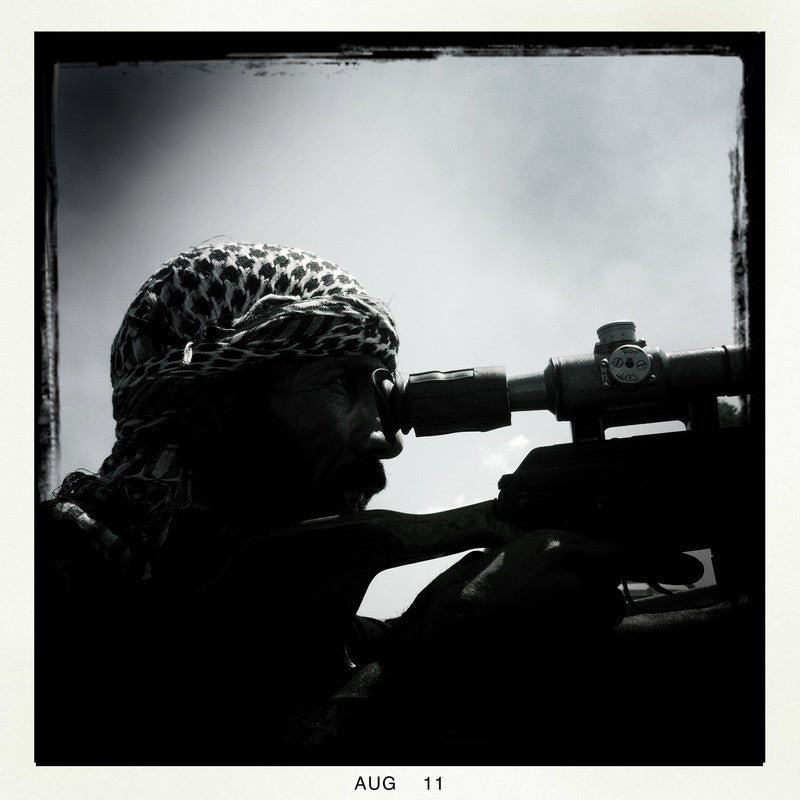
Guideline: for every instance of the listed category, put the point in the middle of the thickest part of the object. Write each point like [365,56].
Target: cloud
[519,442]
[495,461]
[506,457]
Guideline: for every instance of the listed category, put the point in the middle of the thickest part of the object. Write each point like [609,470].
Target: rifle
[686,490]
[668,489]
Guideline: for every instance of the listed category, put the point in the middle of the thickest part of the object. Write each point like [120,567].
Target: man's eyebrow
[359,364]
[322,369]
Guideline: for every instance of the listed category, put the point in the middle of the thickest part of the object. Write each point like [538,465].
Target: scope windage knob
[628,364]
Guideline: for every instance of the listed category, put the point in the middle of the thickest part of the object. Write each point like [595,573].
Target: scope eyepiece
[387,400]
[434,403]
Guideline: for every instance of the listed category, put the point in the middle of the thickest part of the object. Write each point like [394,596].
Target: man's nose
[384,446]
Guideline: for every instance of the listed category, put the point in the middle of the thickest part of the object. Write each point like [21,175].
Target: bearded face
[304,441]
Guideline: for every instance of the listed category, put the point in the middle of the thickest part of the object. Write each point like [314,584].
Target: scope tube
[530,392]
[573,385]
[723,370]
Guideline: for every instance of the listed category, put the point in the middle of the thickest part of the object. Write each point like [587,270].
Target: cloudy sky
[505,208]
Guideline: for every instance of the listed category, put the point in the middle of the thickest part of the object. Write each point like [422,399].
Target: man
[184,618]
[219,351]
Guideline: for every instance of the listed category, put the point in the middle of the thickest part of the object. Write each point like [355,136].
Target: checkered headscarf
[223,307]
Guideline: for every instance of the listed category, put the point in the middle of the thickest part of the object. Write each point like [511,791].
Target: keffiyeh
[219,308]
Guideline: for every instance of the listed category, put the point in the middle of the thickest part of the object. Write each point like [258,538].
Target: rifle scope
[622,382]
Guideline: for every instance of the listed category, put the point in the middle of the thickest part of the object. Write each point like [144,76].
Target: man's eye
[350,383]
[341,382]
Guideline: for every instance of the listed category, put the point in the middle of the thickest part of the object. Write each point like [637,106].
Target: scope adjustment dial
[629,364]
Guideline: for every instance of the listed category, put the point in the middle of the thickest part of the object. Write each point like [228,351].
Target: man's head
[262,357]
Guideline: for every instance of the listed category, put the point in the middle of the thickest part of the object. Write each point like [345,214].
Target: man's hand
[544,581]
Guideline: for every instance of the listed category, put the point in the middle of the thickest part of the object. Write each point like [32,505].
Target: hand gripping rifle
[686,490]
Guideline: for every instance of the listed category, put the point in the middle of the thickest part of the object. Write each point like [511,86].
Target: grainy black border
[103,49]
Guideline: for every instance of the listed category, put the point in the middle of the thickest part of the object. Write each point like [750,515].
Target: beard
[292,498]
[276,479]
[353,486]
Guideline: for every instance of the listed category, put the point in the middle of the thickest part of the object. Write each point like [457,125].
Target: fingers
[555,580]
[617,562]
